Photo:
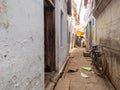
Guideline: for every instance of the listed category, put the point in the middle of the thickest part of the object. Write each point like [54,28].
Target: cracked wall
[21,45]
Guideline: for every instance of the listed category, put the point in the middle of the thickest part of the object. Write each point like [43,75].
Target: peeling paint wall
[21,45]
[3,16]
[61,37]
[108,35]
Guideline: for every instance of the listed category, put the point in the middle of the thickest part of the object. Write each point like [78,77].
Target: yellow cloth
[80,33]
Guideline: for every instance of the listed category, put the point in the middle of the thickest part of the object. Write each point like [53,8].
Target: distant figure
[83,42]
[79,41]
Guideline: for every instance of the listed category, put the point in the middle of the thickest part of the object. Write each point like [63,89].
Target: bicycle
[99,62]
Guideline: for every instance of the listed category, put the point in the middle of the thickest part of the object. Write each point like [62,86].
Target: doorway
[49,36]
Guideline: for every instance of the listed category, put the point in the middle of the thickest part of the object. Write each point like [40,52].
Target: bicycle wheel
[99,65]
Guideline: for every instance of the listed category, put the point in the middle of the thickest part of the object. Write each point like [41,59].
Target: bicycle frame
[95,55]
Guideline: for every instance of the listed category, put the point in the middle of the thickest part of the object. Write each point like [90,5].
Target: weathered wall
[108,34]
[62,44]
[21,45]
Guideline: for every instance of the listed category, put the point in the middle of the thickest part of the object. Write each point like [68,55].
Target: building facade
[108,36]
[62,32]
[73,22]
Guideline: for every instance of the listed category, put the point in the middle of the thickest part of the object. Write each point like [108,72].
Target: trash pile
[84,75]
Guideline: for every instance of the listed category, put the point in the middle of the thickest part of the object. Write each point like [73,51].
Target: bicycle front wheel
[100,65]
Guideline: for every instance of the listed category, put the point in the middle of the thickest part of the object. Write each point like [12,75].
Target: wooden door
[49,39]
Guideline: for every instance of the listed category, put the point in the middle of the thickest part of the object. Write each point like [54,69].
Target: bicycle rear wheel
[99,65]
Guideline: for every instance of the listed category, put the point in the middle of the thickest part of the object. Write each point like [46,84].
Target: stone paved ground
[48,76]
[74,81]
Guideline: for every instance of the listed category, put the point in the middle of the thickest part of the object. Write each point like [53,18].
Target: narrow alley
[75,80]
[59,44]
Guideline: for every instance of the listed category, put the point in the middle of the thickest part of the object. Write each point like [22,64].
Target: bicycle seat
[96,51]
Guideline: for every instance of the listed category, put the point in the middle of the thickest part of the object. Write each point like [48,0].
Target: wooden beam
[100,6]
[50,2]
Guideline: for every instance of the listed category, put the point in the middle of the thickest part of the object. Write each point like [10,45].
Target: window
[69,7]
[68,34]
[61,28]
